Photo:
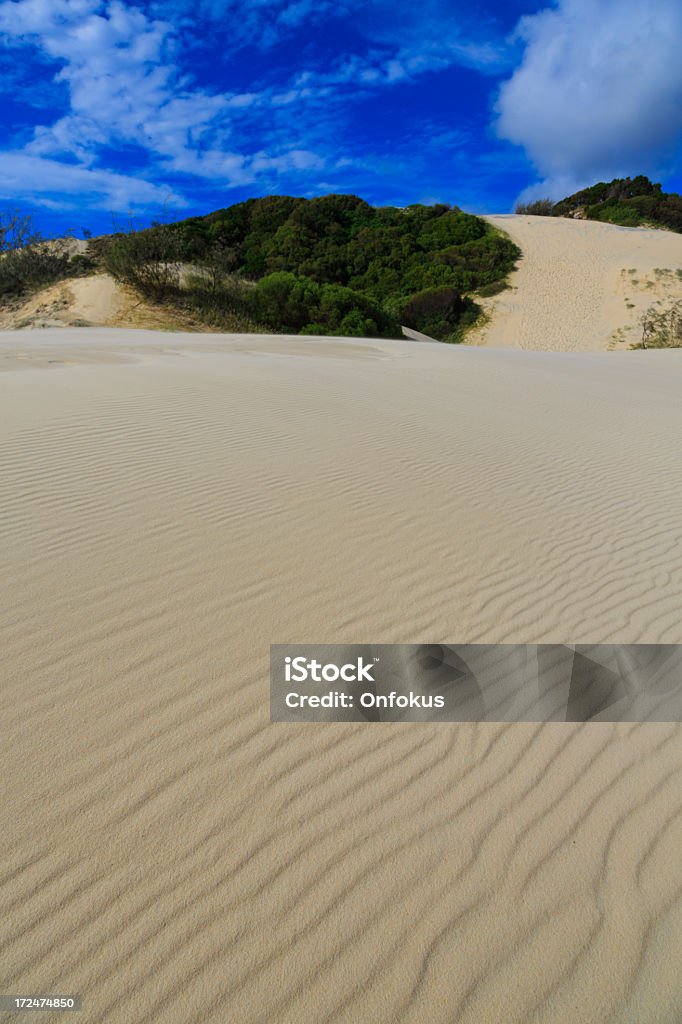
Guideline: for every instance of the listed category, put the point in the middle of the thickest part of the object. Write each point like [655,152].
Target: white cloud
[251,22]
[125,88]
[39,178]
[123,85]
[119,63]
[598,93]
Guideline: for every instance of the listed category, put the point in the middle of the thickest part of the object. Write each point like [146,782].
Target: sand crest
[581,285]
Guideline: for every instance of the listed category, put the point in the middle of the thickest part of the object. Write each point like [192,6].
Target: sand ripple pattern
[171,855]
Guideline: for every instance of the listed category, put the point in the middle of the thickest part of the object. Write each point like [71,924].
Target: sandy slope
[581,285]
[170,506]
[94,301]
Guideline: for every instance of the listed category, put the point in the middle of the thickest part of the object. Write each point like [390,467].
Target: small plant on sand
[662,328]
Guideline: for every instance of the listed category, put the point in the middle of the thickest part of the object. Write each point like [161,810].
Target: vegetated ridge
[629,202]
[330,265]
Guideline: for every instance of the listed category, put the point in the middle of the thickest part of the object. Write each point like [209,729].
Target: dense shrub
[372,258]
[286,302]
[607,192]
[629,202]
[494,288]
[439,312]
[479,263]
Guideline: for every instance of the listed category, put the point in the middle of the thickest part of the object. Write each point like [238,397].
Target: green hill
[330,265]
[630,202]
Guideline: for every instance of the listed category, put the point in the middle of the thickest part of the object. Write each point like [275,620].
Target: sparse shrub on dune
[27,259]
[662,326]
[536,208]
[147,260]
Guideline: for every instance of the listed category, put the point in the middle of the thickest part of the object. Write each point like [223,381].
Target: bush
[81,265]
[489,259]
[452,228]
[626,201]
[662,328]
[147,260]
[441,313]
[494,288]
[27,260]
[286,302]
[616,191]
[536,208]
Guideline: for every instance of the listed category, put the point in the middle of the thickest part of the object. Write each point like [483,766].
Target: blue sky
[113,108]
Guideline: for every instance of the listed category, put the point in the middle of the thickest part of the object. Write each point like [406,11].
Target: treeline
[629,202]
[330,265]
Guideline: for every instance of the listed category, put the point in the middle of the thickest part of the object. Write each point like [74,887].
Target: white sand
[97,299]
[581,285]
[171,505]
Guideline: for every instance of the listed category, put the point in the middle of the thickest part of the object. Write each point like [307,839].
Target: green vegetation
[331,265]
[146,260]
[630,202]
[662,327]
[538,208]
[27,260]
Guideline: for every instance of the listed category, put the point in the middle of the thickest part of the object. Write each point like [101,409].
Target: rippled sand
[172,504]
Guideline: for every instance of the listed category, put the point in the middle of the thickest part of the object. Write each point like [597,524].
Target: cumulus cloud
[119,66]
[598,93]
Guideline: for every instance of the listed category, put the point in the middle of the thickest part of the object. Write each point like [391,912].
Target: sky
[124,110]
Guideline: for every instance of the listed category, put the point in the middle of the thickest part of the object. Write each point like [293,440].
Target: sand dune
[171,505]
[94,301]
[581,285]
